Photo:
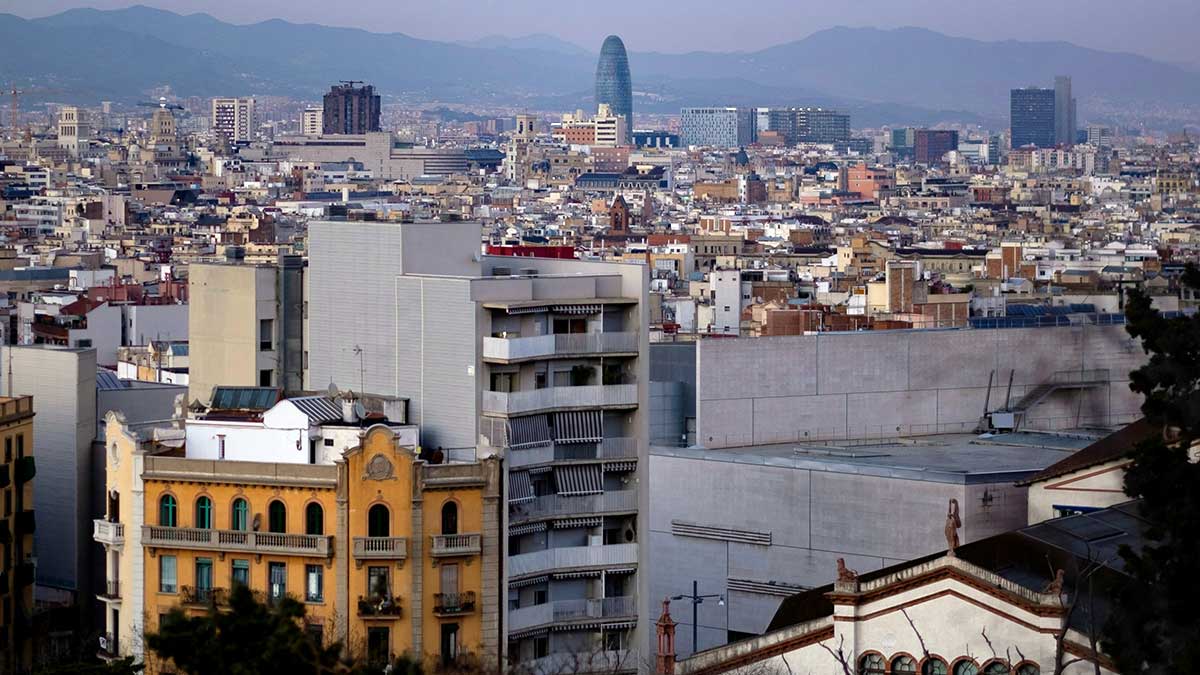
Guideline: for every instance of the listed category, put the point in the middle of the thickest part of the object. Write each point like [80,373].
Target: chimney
[665,661]
[349,416]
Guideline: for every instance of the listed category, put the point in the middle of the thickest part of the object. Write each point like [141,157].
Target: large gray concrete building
[539,360]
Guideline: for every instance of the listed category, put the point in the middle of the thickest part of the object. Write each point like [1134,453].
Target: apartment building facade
[17,524]
[540,361]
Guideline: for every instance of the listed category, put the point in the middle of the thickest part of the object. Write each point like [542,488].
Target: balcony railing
[571,557]
[609,448]
[557,506]
[453,604]
[315,545]
[381,548]
[108,533]
[445,545]
[533,400]
[384,607]
[567,611]
[570,344]
[191,595]
[107,648]
[111,591]
[610,661]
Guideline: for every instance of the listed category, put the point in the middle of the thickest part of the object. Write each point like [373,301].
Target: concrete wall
[888,383]
[144,323]
[227,302]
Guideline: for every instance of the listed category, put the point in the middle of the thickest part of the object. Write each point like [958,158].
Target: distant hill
[906,75]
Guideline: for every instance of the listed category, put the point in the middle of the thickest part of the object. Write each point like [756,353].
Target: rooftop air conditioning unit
[501,272]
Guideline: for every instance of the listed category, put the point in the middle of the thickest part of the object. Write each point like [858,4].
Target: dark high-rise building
[1032,117]
[929,145]
[613,83]
[350,109]
[1064,111]
[810,125]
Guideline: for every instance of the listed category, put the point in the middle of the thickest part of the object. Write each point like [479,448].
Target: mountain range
[906,75]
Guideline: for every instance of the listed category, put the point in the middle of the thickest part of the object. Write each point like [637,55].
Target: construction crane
[161,103]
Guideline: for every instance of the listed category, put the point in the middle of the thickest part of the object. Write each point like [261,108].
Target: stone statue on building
[845,573]
[953,522]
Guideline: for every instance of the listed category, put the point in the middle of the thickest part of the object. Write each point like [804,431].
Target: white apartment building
[234,119]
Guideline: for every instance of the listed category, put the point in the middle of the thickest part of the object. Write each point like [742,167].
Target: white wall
[144,323]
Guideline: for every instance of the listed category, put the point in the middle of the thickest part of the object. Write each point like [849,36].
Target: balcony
[26,470]
[560,398]
[312,545]
[610,661]
[111,591]
[509,350]
[205,597]
[381,548]
[108,533]
[382,608]
[609,448]
[571,611]
[108,648]
[454,604]
[572,557]
[447,545]
[560,506]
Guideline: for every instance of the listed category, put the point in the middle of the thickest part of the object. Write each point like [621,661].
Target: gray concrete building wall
[62,382]
[889,383]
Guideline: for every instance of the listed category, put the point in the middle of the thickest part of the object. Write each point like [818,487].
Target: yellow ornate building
[17,470]
[389,553]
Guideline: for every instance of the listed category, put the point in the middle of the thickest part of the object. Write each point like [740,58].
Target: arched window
[966,667]
[1028,669]
[449,518]
[871,664]
[903,664]
[314,519]
[167,511]
[277,517]
[997,668]
[934,666]
[378,521]
[240,515]
[204,513]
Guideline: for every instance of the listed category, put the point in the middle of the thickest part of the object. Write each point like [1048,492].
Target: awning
[582,426]
[617,625]
[539,469]
[527,528]
[621,570]
[577,575]
[520,489]
[579,479]
[577,625]
[576,309]
[620,466]
[528,310]
[529,432]
[528,582]
[593,521]
[532,632]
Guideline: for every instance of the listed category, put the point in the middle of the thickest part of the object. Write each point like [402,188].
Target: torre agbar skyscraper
[613,84]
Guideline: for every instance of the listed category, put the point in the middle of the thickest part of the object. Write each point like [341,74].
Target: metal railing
[382,548]
[379,606]
[191,595]
[108,533]
[112,590]
[454,603]
[609,448]
[317,545]
[568,344]
[566,611]
[455,544]
[551,506]
[107,647]
[572,557]
[587,396]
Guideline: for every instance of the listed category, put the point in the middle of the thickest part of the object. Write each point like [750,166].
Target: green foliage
[1154,626]
[124,666]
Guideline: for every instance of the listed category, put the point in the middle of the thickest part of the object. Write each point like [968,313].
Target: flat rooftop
[943,458]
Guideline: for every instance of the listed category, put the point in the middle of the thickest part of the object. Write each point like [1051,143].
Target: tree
[124,666]
[1153,626]
[251,637]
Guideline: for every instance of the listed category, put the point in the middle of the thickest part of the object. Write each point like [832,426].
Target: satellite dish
[360,410]
[332,391]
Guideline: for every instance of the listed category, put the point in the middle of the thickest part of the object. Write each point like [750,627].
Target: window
[316,633]
[378,521]
[377,583]
[84,343]
[167,508]
[277,517]
[541,647]
[239,518]
[934,666]
[449,578]
[449,643]
[1028,669]
[240,573]
[449,518]
[871,664]
[314,519]
[8,450]
[903,664]
[266,335]
[329,442]
[264,378]
[378,646]
[167,581]
[965,667]
[204,578]
[277,580]
[220,446]
[996,668]
[314,583]
[204,513]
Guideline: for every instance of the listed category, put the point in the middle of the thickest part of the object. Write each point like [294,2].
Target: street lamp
[696,599]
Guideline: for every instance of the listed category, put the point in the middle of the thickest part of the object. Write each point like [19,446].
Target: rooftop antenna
[361,369]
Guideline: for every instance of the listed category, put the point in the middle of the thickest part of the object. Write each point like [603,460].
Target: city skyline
[1162,32]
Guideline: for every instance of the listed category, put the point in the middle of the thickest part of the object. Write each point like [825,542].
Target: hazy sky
[1162,29]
